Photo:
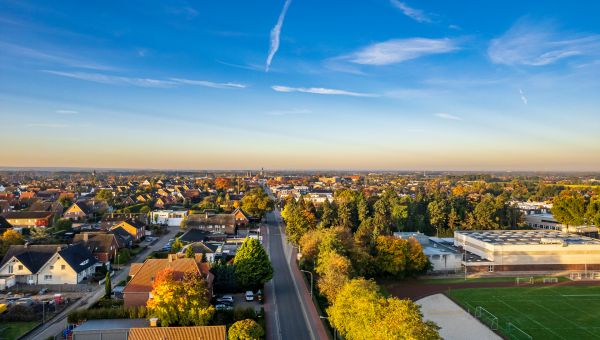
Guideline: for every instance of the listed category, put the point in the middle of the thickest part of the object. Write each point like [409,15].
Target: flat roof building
[531,251]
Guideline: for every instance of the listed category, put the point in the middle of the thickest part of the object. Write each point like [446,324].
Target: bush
[246,330]
[81,315]
[243,313]
[20,313]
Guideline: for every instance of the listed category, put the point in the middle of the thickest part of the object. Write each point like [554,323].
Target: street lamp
[334,329]
[311,281]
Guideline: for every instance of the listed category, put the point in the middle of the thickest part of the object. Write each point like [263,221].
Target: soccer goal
[486,317]
[550,280]
[524,280]
[515,332]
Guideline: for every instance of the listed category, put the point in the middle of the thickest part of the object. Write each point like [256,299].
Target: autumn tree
[252,265]
[593,213]
[247,329]
[257,203]
[398,257]
[189,252]
[334,271]
[360,311]
[10,237]
[298,220]
[181,302]
[222,183]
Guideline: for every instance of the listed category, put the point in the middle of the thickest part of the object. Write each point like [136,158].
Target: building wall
[22,275]
[534,268]
[60,271]
[445,262]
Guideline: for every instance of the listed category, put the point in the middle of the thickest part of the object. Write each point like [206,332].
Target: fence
[504,327]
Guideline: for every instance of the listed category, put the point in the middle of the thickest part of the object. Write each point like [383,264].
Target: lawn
[559,312]
[14,330]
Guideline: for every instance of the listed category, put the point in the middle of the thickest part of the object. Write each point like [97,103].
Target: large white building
[442,255]
[530,251]
[172,218]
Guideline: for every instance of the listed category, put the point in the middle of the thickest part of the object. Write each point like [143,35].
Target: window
[47,277]
[20,267]
[51,267]
[10,269]
[63,267]
[491,268]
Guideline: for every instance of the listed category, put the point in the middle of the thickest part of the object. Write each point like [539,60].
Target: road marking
[275,309]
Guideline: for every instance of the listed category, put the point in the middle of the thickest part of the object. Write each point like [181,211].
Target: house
[29,219]
[209,250]
[54,207]
[104,247]
[143,329]
[4,225]
[78,211]
[109,220]
[171,218]
[215,223]
[124,239]
[4,206]
[137,291]
[48,264]
[133,227]
[241,217]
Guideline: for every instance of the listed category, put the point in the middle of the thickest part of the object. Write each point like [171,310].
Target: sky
[301,84]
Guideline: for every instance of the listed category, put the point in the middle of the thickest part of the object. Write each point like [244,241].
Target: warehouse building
[527,252]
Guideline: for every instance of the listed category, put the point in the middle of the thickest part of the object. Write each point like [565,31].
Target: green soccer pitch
[567,312]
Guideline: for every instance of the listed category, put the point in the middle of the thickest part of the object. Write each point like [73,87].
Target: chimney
[206,214]
[153,322]
[85,237]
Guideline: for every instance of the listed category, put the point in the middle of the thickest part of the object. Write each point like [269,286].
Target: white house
[172,218]
[48,264]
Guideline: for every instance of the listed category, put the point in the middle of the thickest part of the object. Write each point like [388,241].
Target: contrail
[275,32]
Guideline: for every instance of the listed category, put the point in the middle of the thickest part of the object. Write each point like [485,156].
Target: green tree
[107,286]
[569,209]
[328,214]
[593,213]
[105,194]
[438,211]
[176,246]
[252,265]
[145,209]
[189,252]
[63,224]
[362,207]
[247,329]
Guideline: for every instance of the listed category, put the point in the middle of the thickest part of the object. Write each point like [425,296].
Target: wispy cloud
[66,112]
[114,80]
[51,57]
[289,112]
[320,90]
[539,44]
[523,98]
[186,11]
[207,83]
[415,14]
[447,116]
[251,67]
[398,50]
[275,33]
[143,82]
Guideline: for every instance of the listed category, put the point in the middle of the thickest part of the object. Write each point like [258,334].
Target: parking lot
[239,301]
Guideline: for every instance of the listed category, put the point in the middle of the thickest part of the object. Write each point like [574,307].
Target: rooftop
[524,237]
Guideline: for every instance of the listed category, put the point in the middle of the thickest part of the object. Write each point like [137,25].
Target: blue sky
[302,84]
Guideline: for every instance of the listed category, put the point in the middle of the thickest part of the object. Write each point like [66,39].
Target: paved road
[55,326]
[290,311]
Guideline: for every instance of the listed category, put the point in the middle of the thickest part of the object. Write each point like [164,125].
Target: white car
[225,298]
[249,296]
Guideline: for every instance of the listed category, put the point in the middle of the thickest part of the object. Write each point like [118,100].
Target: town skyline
[385,85]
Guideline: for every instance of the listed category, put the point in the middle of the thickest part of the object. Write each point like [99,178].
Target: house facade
[134,228]
[29,219]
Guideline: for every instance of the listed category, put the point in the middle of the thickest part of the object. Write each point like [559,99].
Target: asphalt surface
[54,327]
[285,313]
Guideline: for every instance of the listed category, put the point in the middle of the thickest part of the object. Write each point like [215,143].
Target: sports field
[552,312]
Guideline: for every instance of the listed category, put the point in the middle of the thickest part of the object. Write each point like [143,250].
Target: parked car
[43,291]
[223,307]
[225,298]
[249,296]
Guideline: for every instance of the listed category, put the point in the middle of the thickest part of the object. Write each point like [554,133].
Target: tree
[334,271]
[176,246]
[180,302]
[257,203]
[362,207]
[224,281]
[453,219]
[10,237]
[63,224]
[39,233]
[593,213]
[222,183]
[105,194]
[391,258]
[107,286]
[417,262]
[145,209]
[328,214]
[252,265]
[569,209]
[365,235]
[437,211]
[189,252]
[360,311]
[247,329]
